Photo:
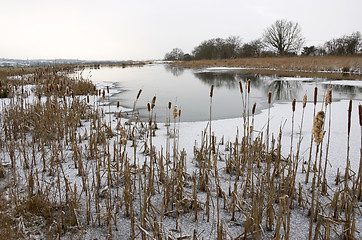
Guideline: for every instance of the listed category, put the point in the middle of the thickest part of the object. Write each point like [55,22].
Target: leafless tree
[175,55]
[284,36]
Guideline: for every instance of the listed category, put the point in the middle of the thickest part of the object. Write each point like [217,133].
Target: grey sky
[147,29]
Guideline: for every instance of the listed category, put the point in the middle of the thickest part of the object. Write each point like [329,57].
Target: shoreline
[343,67]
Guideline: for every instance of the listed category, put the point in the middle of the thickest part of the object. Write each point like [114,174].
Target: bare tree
[175,55]
[284,36]
[251,49]
[346,45]
[218,48]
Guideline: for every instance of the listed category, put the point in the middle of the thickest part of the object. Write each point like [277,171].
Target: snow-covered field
[189,138]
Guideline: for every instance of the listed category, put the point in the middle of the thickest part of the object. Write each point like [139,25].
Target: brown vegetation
[70,170]
[342,67]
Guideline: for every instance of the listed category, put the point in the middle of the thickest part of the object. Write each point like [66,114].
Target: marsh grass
[316,63]
[69,169]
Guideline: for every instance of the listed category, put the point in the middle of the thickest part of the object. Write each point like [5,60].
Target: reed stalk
[311,137]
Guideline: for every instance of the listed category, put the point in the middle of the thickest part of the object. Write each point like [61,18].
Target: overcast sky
[147,29]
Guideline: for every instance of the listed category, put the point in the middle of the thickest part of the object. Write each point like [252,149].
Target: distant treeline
[270,45]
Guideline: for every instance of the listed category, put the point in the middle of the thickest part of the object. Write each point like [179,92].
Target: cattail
[153,102]
[169,105]
[349,116]
[108,89]
[329,96]
[175,112]
[248,85]
[269,97]
[139,93]
[148,107]
[87,98]
[253,110]
[360,114]
[318,127]
[104,94]
[212,91]
[241,87]
[293,105]
[117,104]
[315,95]
[179,112]
[304,100]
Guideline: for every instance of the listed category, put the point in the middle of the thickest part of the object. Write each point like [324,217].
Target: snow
[281,115]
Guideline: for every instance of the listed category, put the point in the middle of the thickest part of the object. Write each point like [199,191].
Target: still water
[189,89]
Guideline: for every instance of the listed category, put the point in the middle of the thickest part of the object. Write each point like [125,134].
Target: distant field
[346,67]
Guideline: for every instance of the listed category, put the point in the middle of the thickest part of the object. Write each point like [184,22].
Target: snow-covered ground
[281,115]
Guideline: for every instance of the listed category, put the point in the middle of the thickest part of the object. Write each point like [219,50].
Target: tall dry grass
[346,67]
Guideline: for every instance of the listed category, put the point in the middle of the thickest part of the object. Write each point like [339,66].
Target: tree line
[282,38]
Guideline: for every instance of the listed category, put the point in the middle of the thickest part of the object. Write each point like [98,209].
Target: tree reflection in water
[283,90]
[175,70]
[229,80]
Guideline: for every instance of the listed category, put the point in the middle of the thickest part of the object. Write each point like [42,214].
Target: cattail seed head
[317,131]
[315,95]
[360,114]
[253,110]
[153,102]
[179,112]
[248,85]
[174,112]
[117,104]
[304,100]
[148,107]
[169,105]
[241,86]
[87,98]
[293,105]
[139,94]
[269,97]
[212,91]
[349,116]
[329,96]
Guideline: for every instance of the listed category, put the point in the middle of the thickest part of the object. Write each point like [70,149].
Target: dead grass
[66,176]
[290,66]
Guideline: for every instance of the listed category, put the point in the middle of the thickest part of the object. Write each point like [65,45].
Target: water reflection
[175,70]
[283,90]
[189,89]
[346,91]
[228,79]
